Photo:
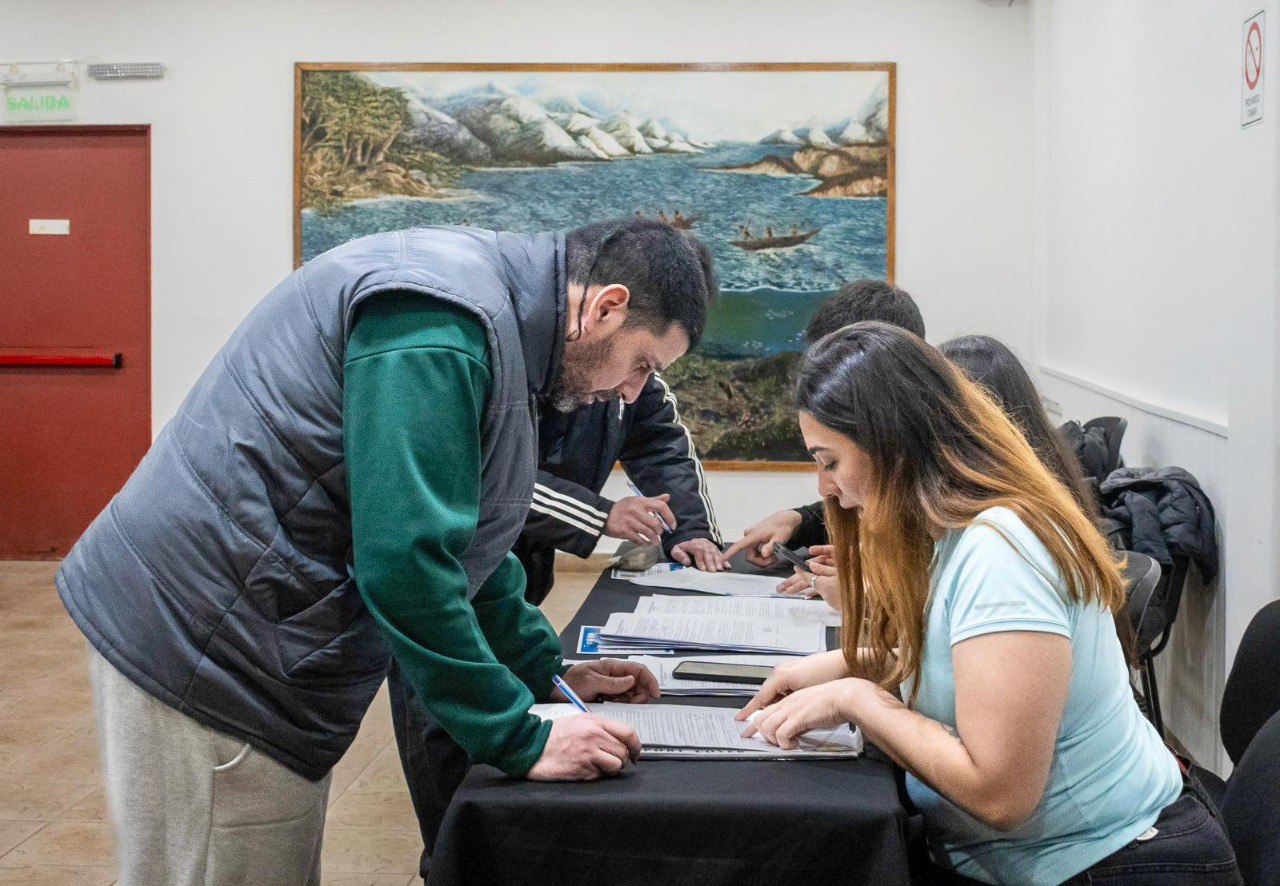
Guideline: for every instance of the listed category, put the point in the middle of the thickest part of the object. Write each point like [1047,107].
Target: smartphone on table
[791,557]
[726,672]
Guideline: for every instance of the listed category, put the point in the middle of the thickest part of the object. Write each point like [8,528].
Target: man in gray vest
[346,479]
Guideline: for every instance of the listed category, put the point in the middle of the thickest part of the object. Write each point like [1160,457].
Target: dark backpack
[1091,448]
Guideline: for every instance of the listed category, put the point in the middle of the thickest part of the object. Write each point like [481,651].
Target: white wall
[1155,282]
[223,138]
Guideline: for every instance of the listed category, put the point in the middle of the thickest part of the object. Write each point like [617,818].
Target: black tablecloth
[674,822]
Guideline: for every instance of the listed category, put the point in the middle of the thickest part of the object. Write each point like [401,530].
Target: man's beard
[579,365]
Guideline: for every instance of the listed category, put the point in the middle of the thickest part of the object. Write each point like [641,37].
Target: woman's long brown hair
[942,452]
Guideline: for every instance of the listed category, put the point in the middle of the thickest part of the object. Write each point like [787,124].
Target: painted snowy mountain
[874,113]
[626,129]
[782,137]
[850,132]
[869,126]
[518,129]
[494,124]
[587,132]
[437,131]
[816,137]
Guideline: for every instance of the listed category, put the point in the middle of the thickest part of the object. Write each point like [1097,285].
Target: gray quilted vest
[219,578]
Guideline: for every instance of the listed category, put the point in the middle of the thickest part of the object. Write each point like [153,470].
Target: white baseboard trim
[1193,421]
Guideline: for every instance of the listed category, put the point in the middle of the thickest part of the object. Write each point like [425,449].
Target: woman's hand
[796,674]
[821,582]
[817,707]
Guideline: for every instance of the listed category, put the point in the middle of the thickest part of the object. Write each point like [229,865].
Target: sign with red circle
[1254,54]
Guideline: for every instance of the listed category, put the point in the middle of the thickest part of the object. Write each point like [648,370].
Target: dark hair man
[346,479]
[645,432]
[855,302]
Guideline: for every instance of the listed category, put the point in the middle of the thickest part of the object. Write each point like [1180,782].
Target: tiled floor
[52,814]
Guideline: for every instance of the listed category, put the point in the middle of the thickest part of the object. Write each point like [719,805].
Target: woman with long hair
[990,364]
[977,646]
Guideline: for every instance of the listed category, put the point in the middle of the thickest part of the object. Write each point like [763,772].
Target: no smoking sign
[1251,96]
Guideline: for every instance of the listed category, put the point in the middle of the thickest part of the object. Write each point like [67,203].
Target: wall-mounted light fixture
[126,71]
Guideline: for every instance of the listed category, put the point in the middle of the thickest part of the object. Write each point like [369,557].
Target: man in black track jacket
[577,452]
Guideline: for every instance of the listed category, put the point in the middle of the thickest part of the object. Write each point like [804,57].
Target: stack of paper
[589,643]
[677,731]
[663,669]
[792,637]
[724,584]
[741,607]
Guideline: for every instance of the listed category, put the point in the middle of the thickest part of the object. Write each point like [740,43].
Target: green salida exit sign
[31,104]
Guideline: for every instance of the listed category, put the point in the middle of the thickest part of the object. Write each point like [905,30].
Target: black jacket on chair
[578,450]
[1162,512]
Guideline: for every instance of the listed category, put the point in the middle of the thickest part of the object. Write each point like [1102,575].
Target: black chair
[1159,610]
[1250,725]
[1250,809]
[1252,693]
[1113,428]
[1146,612]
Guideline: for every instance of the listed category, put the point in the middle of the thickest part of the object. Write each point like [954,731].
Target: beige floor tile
[378,718]
[38,799]
[14,832]
[371,851]
[383,774]
[32,654]
[72,682]
[69,757]
[21,734]
[374,809]
[368,879]
[22,578]
[571,588]
[91,808]
[76,843]
[58,875]
[363,751]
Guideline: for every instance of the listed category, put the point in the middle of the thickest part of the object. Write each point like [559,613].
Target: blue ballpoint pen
[569,693]
[632,487]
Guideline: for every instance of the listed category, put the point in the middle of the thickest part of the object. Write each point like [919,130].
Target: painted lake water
[767,297]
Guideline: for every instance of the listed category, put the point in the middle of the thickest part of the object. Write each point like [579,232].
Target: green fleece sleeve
[417,380]
[518,632]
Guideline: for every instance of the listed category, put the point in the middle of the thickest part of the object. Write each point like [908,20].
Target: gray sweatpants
[193,807]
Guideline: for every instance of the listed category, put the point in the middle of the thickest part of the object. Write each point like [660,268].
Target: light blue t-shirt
[1111,774]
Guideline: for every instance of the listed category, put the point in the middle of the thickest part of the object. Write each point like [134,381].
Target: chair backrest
[1252,694]
[1168,597]
[1146,617]
[1250,810]
[1113,428]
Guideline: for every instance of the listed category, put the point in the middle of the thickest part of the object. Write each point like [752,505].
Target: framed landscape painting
[786,171]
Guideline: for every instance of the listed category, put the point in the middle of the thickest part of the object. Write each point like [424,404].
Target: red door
[75,292]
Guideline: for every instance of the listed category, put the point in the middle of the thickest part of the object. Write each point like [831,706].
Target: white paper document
[676,731]
[715,632]
[722,584]
[663,669]
[741,607]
